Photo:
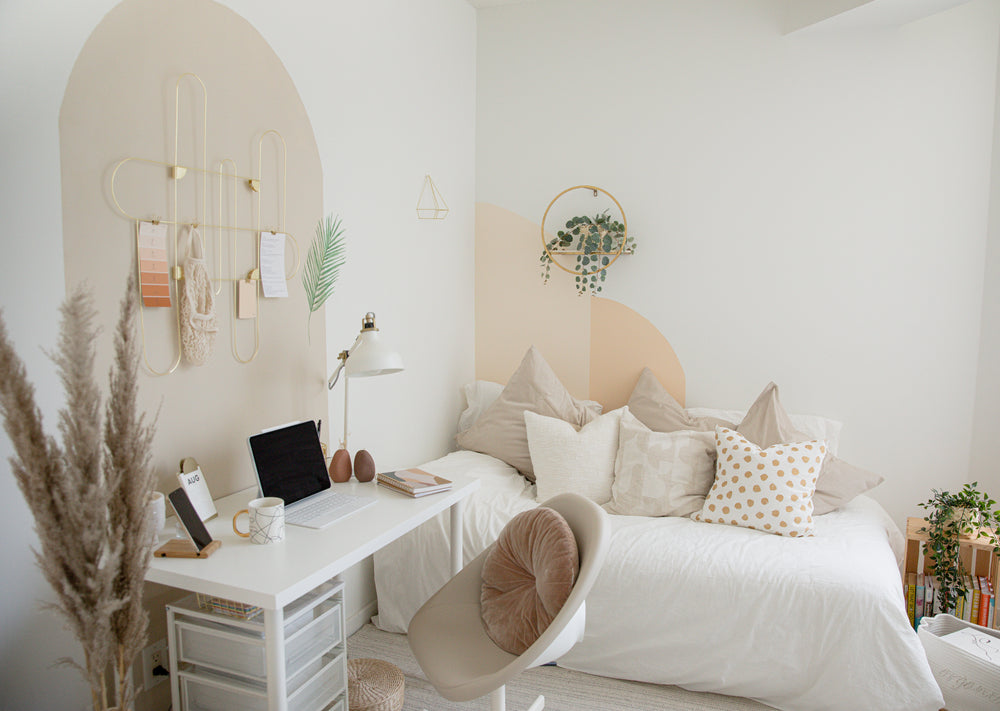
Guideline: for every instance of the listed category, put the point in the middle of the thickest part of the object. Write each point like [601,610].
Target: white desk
[271,576]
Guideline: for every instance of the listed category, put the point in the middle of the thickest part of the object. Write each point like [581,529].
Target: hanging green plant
[595,241]
[323,263]
[968,512]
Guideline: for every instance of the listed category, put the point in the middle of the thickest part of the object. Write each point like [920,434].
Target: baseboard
[360,618]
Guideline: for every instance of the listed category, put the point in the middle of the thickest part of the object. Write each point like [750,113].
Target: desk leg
[274,636]
[172,665]
[456,536]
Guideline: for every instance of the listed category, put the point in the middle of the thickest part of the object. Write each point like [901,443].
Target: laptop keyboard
[325,509]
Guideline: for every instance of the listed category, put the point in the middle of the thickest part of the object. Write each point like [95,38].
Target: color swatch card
[272,264]
[153,275]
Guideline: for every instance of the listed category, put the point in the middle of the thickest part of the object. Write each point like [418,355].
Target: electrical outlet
[155,655]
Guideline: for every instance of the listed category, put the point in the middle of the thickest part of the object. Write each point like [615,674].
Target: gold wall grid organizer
[431,204]
[581,271]
[226,173]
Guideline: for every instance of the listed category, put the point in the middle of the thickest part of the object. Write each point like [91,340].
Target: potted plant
[594,241]
[968,512]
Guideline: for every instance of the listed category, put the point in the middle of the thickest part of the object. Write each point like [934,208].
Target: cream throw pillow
[766,423]
[566,459]
[765,489]
[661,473]
[533,387]
[659,411]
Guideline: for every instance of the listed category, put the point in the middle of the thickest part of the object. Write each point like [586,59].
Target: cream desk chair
[450,642]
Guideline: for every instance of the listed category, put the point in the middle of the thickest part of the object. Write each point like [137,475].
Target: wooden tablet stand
[183,548]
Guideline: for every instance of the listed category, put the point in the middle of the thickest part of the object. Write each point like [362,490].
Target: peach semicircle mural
[596,346]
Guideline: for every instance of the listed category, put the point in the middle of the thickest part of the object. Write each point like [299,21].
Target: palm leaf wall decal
[323,263]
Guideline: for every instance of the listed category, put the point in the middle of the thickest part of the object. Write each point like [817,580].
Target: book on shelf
[976,597]
[918,603]
[414,482]
[911,596]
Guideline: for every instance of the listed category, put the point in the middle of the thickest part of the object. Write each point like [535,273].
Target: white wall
[985,443]
[389,89]
[809,209]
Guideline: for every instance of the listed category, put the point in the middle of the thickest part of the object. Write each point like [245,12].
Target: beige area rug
[564,690]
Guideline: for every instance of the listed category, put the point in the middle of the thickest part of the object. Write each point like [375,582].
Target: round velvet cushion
[527,577]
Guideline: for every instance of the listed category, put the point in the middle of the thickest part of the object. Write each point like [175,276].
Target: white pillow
[479,395]
[768,490]
[566,459]
[813,426]
[661,473]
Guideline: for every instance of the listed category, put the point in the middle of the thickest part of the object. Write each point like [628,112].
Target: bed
[803,624]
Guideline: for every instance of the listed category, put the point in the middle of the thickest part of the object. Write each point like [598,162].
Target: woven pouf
[374,685]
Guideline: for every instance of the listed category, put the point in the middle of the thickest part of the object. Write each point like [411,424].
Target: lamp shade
[372,357]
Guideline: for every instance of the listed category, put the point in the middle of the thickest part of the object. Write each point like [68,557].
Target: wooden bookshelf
[976,554]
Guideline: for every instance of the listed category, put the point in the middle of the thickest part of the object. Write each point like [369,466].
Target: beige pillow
[533,387]
[656,408]
[566,459]
[661,473]
[527,577]
[766,489]
[766,423]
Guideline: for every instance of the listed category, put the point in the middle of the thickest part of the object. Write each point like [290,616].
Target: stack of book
[976,604]
[414,482]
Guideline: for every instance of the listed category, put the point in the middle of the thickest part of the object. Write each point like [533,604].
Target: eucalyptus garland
[596,239]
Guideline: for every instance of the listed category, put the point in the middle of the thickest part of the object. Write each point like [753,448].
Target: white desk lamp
[368,356]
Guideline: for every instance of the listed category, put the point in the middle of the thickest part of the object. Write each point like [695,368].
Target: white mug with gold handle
[266,518]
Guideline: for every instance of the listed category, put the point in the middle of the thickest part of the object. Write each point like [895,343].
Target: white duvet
[799,624]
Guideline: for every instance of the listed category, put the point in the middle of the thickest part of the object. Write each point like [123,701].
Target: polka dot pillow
[768,490]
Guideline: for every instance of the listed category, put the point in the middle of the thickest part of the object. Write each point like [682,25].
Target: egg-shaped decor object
[340,466]
[364,466]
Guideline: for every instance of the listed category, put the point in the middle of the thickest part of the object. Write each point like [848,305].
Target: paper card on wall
[246,298]
[153,274]
[272,264]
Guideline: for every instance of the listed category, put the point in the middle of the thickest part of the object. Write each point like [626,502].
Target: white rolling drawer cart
[221,660]
[290,657]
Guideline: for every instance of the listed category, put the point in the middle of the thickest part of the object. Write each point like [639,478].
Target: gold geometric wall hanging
[431,204]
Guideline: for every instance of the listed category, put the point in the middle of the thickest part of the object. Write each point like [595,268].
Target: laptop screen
[290,462]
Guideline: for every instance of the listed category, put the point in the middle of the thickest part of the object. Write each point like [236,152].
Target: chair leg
[498,699]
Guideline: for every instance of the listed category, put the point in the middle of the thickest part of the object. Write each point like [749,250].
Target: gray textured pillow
[500,431]
[661,473]
[767,424]
[656,408]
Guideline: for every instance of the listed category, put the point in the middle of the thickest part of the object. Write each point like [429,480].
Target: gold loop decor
[614,255]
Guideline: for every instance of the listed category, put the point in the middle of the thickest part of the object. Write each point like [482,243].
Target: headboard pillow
[766,424]
[659,411]
[566,459]
[766,489]
[527,577]
[479,395]
[533,387]
[661,473]
[812,426]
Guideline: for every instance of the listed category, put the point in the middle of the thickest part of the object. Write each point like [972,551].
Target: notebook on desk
[289,464]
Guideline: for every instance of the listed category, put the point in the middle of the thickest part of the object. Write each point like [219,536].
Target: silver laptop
[289,464]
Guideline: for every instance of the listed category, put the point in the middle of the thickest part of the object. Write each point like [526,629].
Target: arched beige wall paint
[119,102]
[596,346]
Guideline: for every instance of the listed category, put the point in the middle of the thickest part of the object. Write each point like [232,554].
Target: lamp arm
[342,357]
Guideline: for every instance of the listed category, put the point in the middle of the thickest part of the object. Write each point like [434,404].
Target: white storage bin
[967,682]
[239,650]
[206,691]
